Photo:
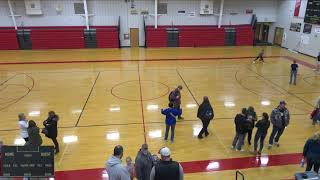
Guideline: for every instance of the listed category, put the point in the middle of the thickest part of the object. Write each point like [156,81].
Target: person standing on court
[252,118]
[51,129]
[143,163]
[240,123]
[114,167]
[170,114]
[263,126]
[260,56]
[23,125]
[315,115]
[280,119]
[293,73]
[175,98]
[311,153]
[205,114]
[34,135]
[166,168]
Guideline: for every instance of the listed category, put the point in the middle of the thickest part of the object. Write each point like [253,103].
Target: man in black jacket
[206,114]
[240,122]
[166,169]
[51,129]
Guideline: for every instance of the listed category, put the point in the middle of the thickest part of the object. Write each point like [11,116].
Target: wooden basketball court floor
[109,97]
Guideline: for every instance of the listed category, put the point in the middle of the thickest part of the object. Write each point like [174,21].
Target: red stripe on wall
[297,8]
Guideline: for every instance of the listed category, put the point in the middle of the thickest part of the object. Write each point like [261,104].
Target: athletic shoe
[240,150]
[233,148]
[277,144]
[269,146]
[206,134]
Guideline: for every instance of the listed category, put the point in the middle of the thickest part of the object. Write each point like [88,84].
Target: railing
[240,174]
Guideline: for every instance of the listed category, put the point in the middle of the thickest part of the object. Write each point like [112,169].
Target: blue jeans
[293,75]
[172,126]
[278,131]
[238,140]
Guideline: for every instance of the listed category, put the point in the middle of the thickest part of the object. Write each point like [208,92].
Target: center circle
[130,90]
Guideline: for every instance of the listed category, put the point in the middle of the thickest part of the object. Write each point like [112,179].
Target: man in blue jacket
[171,114]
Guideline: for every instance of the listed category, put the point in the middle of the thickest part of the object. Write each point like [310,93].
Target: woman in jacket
[51,128]
[205,114]
[252,117]
[263,126]
[170,114]
[34,136]
[311,152]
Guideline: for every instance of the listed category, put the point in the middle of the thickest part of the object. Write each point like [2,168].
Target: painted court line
[200,166]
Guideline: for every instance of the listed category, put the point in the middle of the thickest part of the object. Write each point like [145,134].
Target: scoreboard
[26,161]
[312,12]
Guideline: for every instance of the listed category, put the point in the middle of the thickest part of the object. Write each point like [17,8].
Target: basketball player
[260,56]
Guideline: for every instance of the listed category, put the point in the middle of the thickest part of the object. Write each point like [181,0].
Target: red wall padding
[244,36]
[57,38]
[201,36]
[156,37]
[107,37]
[8,39]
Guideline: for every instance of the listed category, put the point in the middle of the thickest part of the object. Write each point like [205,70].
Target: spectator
[114,168]
[166,169]
[34,136]
[240,123]
[130,167]
[23,125]
[251,118]
[263,126]
[171,114]
[206,114]
[175,98]
[143,163]
[51,129]
[293,74]
[311,152]
[315,115]
[280,119]
[318,62]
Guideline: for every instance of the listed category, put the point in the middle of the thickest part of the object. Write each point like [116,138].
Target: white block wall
[107,12]
[285,13]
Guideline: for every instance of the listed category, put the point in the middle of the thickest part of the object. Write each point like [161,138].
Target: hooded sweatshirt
[143,165]
[115,170]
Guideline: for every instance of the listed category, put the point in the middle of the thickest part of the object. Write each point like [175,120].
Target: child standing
[263,126]
[130,167]
[294,71]
[171,114]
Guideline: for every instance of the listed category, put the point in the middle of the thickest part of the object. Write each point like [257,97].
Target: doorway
[265,32]
[134,37]
[278,36]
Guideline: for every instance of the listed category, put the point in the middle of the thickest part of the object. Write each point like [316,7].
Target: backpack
[208,114]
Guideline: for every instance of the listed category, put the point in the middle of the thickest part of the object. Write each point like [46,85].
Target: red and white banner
[297,8]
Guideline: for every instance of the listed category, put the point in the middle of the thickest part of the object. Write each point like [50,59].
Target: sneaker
[277,144]
[259,152]
[240,150]
[233,148]
[253,62]
[269,146]
[206,134]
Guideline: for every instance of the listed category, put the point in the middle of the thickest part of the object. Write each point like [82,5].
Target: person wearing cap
[280,119]
[143,163]
[206,114]
[175,98]
[114,168]
[166,168]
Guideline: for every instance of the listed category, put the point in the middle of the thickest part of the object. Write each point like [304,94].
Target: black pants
[177,106]
[260,58]
[249,135]
[276,134]
[56,144]
[204,129]
[258,137]
[26,139]
[311,163]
